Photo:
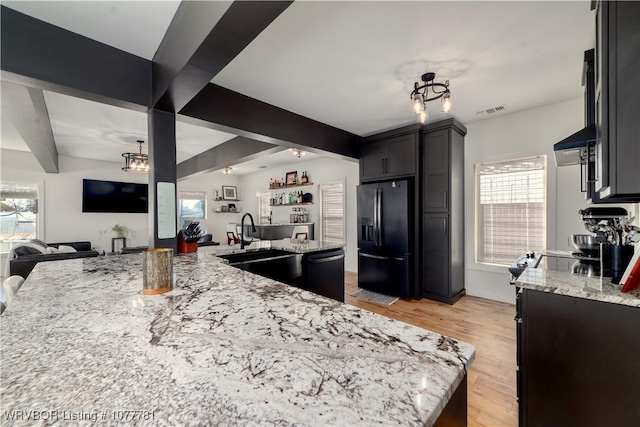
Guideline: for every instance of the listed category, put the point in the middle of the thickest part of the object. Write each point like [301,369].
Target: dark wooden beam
[232,152]
[28,111]
[198,45]
[37,54]
[228,111]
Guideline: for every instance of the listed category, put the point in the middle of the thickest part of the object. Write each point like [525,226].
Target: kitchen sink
[272,263]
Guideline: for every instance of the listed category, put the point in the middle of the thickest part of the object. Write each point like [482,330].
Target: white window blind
[264,210]
[510,209]
[332,212]
[192,206]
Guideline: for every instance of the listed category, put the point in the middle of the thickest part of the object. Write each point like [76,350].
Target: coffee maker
[615,236]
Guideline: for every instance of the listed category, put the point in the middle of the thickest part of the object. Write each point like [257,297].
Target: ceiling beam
[232,152]
[198,45]
[225,110]
[37,54]
[28,111]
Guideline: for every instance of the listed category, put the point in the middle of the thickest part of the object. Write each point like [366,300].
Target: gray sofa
[23,264]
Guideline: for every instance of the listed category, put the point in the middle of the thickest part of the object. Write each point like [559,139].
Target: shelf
[227,200]
[228,212]
[293,204]
[292,186]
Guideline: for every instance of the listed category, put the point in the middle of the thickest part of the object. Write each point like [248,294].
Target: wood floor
[486,324]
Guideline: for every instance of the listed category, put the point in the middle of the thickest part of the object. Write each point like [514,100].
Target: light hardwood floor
[486,324]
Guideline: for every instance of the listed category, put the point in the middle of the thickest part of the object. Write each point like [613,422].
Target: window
[332,212]
[192,206]
[18,213]
[510,209]
[264,210]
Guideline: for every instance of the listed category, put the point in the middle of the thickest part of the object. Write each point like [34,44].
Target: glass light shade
[423,116]
[418,104]
[446,103]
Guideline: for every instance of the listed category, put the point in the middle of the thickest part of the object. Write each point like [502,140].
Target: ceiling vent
[493,110]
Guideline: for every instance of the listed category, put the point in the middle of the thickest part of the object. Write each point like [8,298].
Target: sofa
[23,258]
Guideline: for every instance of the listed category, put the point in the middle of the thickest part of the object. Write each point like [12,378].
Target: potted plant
[118,231]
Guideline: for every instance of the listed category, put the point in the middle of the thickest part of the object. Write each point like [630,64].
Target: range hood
[573,149]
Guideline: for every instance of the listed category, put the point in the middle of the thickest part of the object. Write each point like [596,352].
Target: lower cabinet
[442,279]
[579,362]
[323,273]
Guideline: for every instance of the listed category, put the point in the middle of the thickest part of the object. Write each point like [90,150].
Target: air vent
[493,110]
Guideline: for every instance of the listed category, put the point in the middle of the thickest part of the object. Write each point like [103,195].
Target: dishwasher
[323,273]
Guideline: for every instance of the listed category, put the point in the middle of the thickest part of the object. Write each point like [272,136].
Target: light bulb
[423,116]
[446,103]
[418,105]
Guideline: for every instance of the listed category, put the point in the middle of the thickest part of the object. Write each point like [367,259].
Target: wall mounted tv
[111,196]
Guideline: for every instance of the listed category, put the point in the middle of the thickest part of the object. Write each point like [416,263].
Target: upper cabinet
[390,155]
[617,58]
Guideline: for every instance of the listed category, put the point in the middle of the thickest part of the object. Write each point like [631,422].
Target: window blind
[264,210]
[332,212]
[510,209]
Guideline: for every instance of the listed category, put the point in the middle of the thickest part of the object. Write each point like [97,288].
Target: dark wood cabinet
[617,65]
[578,362]
[442,186]
[435,259]
[389,157]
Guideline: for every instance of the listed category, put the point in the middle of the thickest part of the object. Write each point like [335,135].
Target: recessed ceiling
[133,26]
[281,158]
[348,64]
[353,64]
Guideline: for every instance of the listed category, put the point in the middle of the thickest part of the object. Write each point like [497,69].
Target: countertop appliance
[385,260]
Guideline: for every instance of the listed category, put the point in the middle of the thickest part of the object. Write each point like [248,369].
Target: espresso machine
[611,244]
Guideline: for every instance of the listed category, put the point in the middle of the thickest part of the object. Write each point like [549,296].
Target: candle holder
[157,265]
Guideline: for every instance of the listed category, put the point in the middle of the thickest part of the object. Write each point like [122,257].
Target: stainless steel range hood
[573,149]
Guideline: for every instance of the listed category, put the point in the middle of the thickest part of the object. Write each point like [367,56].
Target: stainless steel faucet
[253,228]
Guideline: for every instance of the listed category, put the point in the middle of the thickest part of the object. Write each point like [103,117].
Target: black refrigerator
[385,236]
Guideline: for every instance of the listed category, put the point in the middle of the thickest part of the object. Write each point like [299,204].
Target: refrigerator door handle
[379,209]
[375,218]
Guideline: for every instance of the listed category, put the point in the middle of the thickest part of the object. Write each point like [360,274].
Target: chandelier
[136,162]
[420,96]
[297,152]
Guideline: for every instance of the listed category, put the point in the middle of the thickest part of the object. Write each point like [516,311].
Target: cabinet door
[435,257]
[372,159]
[435,179]
[401,156]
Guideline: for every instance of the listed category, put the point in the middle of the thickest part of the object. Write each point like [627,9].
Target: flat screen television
[111,196]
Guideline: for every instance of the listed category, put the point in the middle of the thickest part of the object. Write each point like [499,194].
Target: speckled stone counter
[303,247]
[557,282]
[225,347]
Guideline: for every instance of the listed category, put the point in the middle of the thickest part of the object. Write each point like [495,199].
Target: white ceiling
[281,158]
[347,64]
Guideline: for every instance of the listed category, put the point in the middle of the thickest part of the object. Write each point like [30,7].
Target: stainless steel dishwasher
[323,273]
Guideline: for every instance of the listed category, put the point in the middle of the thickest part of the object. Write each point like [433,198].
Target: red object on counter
[185,247]
[631,279]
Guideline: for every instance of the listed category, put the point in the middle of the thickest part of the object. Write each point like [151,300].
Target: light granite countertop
[298,247]
[564,283]
[223,347]
[284,224]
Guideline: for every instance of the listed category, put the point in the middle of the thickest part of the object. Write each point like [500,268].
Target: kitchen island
[224,347]
[578,350]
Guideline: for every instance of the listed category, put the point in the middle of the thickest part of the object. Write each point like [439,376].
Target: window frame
[187,193]
[480,227]
[40,211]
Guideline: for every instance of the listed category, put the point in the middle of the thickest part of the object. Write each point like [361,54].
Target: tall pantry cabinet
[442,183]
[431,155]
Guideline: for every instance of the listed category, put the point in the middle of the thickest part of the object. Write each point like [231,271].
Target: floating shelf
[227,212]
[227,200]
[292,186]
[294,204]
